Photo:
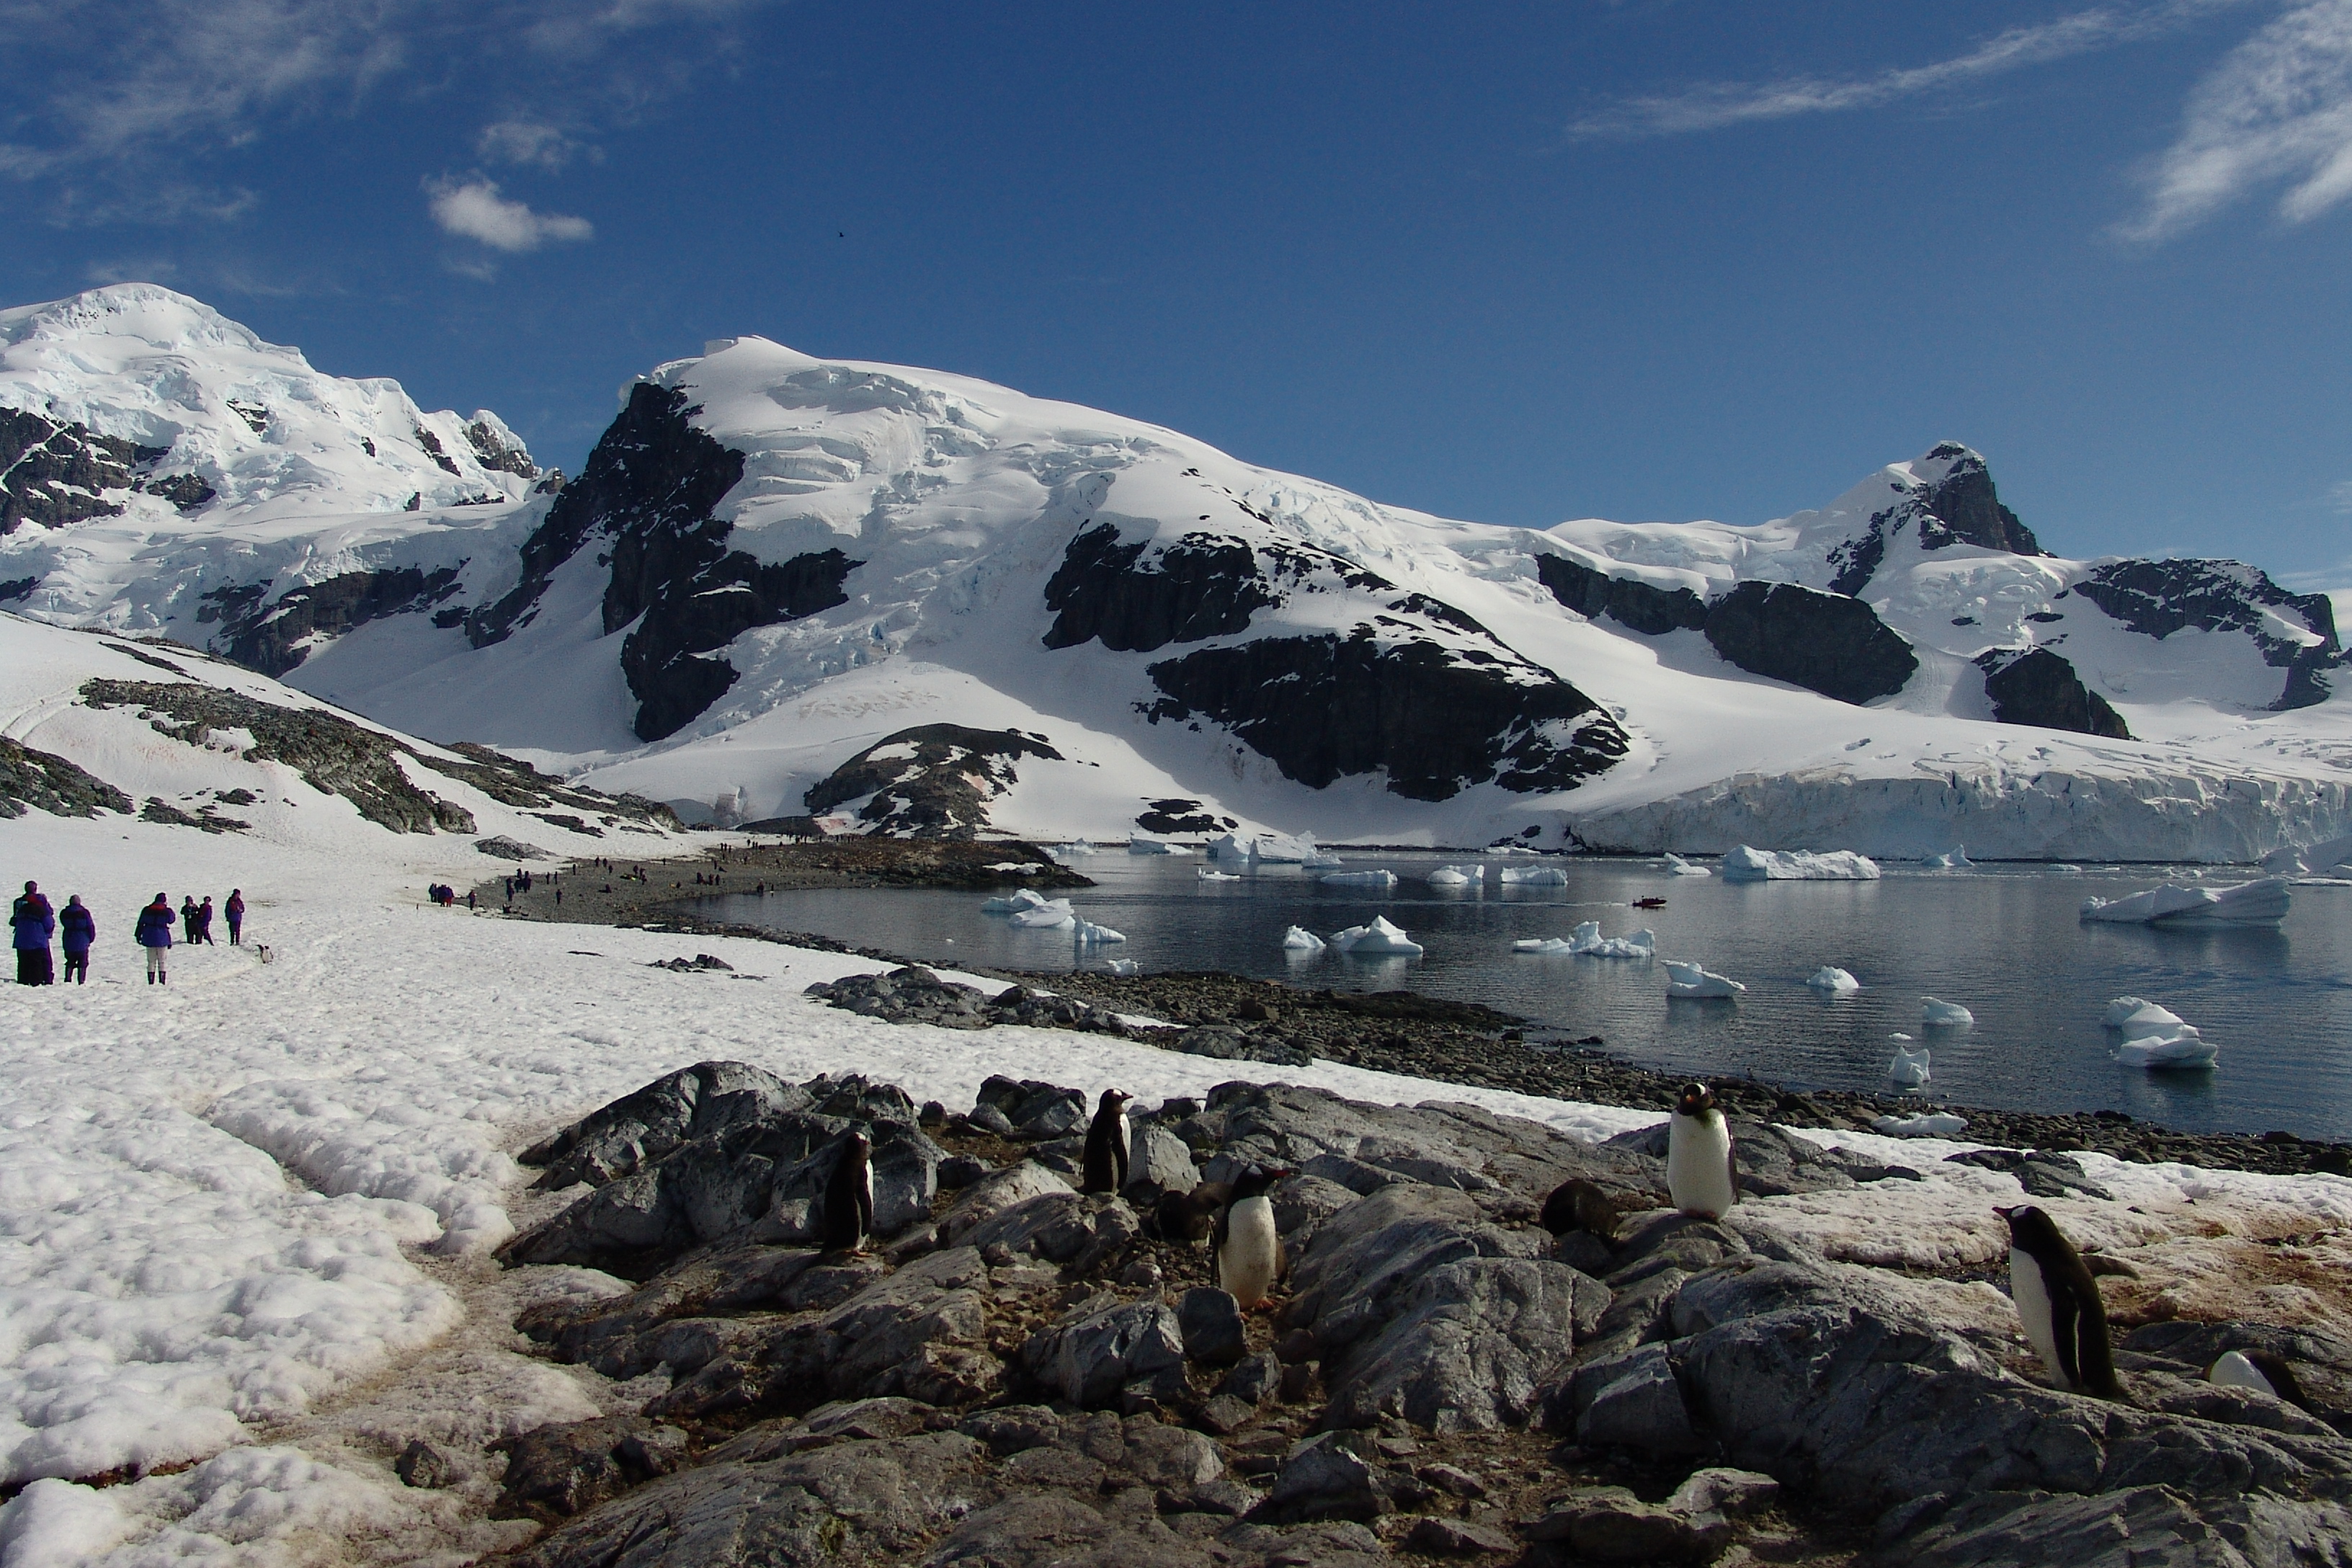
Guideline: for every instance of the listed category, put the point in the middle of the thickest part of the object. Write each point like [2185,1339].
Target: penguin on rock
[1107,1145]
[1702,1169]
[849,1196]
[1192,1216]
[2262,1372]
[2058,1305]
[1579,1205]
[1247,1247]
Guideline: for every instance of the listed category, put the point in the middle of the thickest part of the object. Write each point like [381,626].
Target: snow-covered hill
[1008,611]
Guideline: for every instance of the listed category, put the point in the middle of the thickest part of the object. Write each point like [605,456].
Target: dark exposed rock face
[1324,707]
[512,781]
[2157,598]
[55,473]
[2040,687]
[1959,509]
[185,491]
[494,453]
[1631,603]
[650,487]
[29,778]
[18,587]
[1180,817]
[1205,585]
[931,782]
[271,641]
[1824,642]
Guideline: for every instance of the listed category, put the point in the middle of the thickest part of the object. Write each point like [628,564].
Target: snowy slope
[774,563]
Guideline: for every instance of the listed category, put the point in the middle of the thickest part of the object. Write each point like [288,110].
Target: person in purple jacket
[155,935]
[31,923]
[78,929]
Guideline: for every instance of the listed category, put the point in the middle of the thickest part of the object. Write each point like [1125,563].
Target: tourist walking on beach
[188,918]
[204,923]
[76,929]
[155,936]
[235,911]
[32,923]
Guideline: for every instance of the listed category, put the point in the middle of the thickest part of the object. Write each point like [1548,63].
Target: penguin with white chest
[1107,1145]
[2058,1305]
[2262,1372]
[1247,1247]
[849,1196]
[1702,1168]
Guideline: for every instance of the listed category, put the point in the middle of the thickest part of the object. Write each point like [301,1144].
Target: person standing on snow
[235,911]
[155,936]
[33,923]
[79,928]
[188,918]
[204,923]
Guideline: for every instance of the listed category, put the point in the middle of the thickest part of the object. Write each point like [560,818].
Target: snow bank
[1379,939]
[2262,904]
[1744,864]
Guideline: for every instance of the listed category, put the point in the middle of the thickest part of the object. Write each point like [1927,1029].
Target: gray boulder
[1094,1354]
[995,1193]
[556,1471]
[1158,1162]
[641,1127]
[1326,1477]
[905,1165]
[1634,1401]
[1473,1346]
[1210,1322]
[1353,1278]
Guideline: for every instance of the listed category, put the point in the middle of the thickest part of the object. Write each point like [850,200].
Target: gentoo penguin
[849,1197]
[2058,1305]
[1248,1249]
[1107,1146]
[1192,1216]
[1702,1174]
[1579,1204]
[2262,1372]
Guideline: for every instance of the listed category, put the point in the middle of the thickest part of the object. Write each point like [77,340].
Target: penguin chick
[1192,1216]
[2058,1305]
[1247,1247]
[1702,1168]
[1579,1205]
[849,1197]
[1107,1145]
[2262,1372]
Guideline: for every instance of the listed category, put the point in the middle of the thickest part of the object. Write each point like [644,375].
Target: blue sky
[1661,258]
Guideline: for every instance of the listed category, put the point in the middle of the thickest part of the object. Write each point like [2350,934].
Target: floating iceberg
[1045,915]
[1208,876]
[1548,946]
[1457,875]
[1953,860]
[2061,869]
[1272,849]
[1026,899]
[1321,860]
[1928,1124]
[1360,880]
[1747,865]
[1586,942]
[1533,876]
[1379,939]
[2295,862]
[1298,939]
[1123,966]
[2263,903]
[1829,977]
[1909,1067]
[1092,935]
[1142,846]
[1063,851]
[1689,980]
[1944,1015]
[2155,1037]
[1678,866]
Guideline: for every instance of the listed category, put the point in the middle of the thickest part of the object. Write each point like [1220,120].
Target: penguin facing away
[1107,1145]
[849,1196]
[1192,1216]
[2262,1372]
[1579,1205]
[2058,1305]
[1248,1249]
[1702,1168]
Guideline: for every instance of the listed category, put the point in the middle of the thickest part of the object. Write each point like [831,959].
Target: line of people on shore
[33,923]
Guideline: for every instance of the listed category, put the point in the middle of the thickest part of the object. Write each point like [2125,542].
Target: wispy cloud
[2277,110]
[1712,106]
[474,209]
[529,142]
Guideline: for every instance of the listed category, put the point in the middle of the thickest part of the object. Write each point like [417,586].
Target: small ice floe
[2263,903]
[1123,966]
[1379,939]
[2157,1037]
[1298,939]
[1064,851]
[1586,942]
[1457,877]
[1092,935]
[1689,980]
[1045,914]
[2061,869]
[1318,858]
[1207,875]
[1360,880]
[1955,858]
[1532,876]
[1547,946]
[1909,1067]
[1831,978]
[1926,1124]
[1748,865]
[1944,1015]
[2295,861]
[1678,866]
[1138,845]
[1026,899]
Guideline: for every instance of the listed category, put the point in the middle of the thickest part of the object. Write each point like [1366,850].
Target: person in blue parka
[31,923]
[77,929]
[155,935]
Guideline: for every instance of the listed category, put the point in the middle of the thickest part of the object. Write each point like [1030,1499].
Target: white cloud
[528,142]
[474,209]
[1711,106]
[2278,109]
[2339,496]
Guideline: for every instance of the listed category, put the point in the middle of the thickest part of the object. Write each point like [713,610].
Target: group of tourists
[443,894]
[33,923]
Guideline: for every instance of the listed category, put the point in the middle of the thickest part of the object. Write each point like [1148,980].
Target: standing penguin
[2058,1305]
[2262,1372]
[1702,1172]
[1107,1146]
[1247,1247]
[849,1197]
[1191,1216]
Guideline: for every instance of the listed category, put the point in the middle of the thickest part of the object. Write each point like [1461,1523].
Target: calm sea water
[2006,942]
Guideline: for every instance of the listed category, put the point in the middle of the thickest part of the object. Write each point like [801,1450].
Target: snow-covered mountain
[919,602]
